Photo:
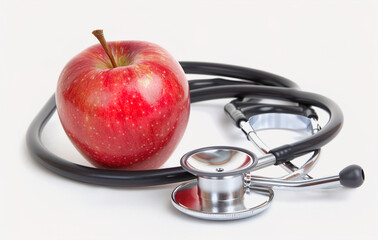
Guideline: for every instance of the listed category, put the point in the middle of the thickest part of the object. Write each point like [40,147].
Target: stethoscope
[223,187]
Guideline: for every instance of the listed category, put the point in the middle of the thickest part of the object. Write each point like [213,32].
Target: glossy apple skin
[129,117]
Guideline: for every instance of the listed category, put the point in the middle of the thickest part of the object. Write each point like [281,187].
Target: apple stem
[99,34]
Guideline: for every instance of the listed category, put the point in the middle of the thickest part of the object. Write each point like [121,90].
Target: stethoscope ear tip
[352,176]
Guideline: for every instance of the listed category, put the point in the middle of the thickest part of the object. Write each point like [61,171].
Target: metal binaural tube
[310,124]
[327,182]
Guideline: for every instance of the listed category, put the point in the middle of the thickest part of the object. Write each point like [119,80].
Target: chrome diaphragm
[220,193]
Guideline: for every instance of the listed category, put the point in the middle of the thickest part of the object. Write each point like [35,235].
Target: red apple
[131,116]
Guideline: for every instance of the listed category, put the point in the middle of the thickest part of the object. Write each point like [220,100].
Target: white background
[328,47]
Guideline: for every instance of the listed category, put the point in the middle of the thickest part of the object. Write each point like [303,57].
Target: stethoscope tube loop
[170,175]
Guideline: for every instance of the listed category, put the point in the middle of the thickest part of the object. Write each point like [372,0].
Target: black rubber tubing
[249,74]
[120,178]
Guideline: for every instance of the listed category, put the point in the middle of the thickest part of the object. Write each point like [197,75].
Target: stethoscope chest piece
[220,191]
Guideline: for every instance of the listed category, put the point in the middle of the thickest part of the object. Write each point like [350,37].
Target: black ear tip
[352,176]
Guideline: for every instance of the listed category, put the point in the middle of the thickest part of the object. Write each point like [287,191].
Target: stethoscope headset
[223,187]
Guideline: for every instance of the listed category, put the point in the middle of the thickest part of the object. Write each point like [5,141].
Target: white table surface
[328,47]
